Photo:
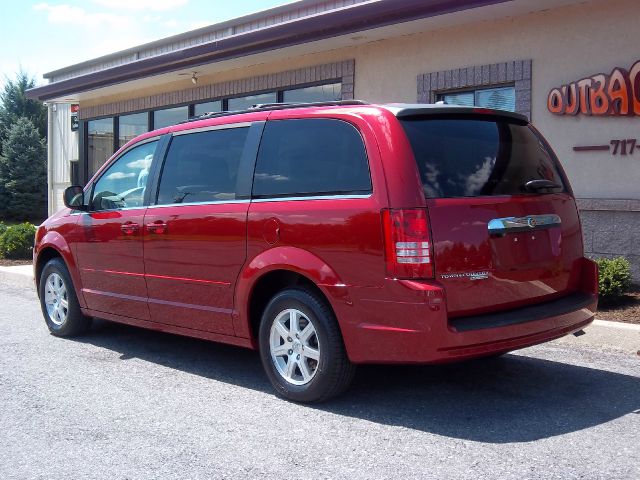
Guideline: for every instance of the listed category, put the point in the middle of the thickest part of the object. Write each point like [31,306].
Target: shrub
[17,241]
[614,278]
[3,228]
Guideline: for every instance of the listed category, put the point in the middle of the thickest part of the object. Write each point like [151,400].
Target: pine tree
[15,104]
[23,173]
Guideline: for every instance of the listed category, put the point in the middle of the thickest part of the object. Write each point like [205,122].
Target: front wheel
[302,349]
[58,301]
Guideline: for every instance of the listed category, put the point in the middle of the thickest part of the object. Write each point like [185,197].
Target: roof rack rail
[265,107]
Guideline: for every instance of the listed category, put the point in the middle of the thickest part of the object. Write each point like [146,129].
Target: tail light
[407,243]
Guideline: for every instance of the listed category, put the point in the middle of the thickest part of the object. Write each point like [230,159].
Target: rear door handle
[129,228]
[157,227]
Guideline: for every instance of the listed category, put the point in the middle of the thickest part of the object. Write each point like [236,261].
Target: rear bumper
[417,329]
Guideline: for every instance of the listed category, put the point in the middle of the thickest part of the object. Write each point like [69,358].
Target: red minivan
[326,236]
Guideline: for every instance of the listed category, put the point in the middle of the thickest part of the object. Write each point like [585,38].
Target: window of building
[170,116]
[500,98]
[242,103]
[311,157]
[130,126]
[202,108]
[123,184]
[202,167]
[319,93]
[99,143]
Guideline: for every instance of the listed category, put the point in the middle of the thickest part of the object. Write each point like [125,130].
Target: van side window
[202,166]
[311,157]
[124,182]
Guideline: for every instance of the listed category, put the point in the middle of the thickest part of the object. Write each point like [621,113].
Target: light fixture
[194,77]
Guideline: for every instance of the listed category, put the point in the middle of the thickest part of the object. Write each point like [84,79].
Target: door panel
[109,247]
[192,263]
[195,234]
[109,252]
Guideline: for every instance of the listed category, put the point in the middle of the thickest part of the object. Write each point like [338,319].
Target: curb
[635,327]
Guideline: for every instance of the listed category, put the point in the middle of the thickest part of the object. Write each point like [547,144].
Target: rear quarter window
[309,157]
[469,157]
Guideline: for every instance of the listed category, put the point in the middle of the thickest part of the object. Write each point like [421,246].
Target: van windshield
[475,156]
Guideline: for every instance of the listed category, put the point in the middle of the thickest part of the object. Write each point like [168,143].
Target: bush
[614,278]
[3,228]
[17,241]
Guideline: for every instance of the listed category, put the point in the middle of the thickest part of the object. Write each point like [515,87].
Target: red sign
[616,94]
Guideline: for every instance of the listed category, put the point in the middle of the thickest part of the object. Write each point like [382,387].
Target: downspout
[50,108]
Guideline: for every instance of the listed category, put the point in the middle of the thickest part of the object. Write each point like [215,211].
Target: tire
[312,377]
[55,290]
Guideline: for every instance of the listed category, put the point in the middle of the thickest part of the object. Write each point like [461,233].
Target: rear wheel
[301,347]
[58,301]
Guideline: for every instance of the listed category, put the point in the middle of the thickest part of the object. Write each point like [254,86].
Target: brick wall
[611,228]
[516,73]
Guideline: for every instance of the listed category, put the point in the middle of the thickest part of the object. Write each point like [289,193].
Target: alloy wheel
[294,346]
[56,299]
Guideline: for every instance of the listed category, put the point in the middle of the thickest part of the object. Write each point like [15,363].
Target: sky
[39,37]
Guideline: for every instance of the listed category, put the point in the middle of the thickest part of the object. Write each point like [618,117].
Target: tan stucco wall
[565,44]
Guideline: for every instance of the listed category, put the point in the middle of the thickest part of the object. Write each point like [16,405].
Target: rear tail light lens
[407,243]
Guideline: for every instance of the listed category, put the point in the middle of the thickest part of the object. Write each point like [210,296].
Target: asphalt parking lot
[125,403]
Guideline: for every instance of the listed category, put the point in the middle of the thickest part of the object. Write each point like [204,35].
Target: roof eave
[309,29]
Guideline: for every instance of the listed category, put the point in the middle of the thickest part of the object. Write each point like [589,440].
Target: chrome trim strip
[212,127]
[187,204]
[110,210]
[223,202]
[499,226]
[317,197]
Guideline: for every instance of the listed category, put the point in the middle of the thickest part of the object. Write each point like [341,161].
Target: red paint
[192,269]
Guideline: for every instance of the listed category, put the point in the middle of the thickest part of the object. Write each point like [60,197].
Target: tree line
[23,152]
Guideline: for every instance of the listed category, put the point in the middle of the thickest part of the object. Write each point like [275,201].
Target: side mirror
[74,197]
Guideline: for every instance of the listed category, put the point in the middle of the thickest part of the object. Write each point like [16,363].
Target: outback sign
[615,94]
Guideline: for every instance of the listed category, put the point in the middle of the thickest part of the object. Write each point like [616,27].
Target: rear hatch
[504,224]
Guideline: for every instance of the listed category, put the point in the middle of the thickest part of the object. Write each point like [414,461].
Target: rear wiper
[540,184]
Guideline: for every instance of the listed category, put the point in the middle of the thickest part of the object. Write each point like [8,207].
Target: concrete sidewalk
[621,337]
[18,275]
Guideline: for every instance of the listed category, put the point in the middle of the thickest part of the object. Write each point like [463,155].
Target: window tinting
[310,157]
[99,142]
[123,184]
[130,126]
[501,98]
[170,116]
[473,157]
[202,167]
[319,93]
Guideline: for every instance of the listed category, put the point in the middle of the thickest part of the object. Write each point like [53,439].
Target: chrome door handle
[129,228]
[157,227]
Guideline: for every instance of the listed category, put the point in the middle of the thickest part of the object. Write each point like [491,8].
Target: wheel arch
[51,246]
[275,270]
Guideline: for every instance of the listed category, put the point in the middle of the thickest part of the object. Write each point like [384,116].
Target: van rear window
[470,157]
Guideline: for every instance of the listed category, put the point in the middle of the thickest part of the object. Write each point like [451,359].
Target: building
[572,66]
